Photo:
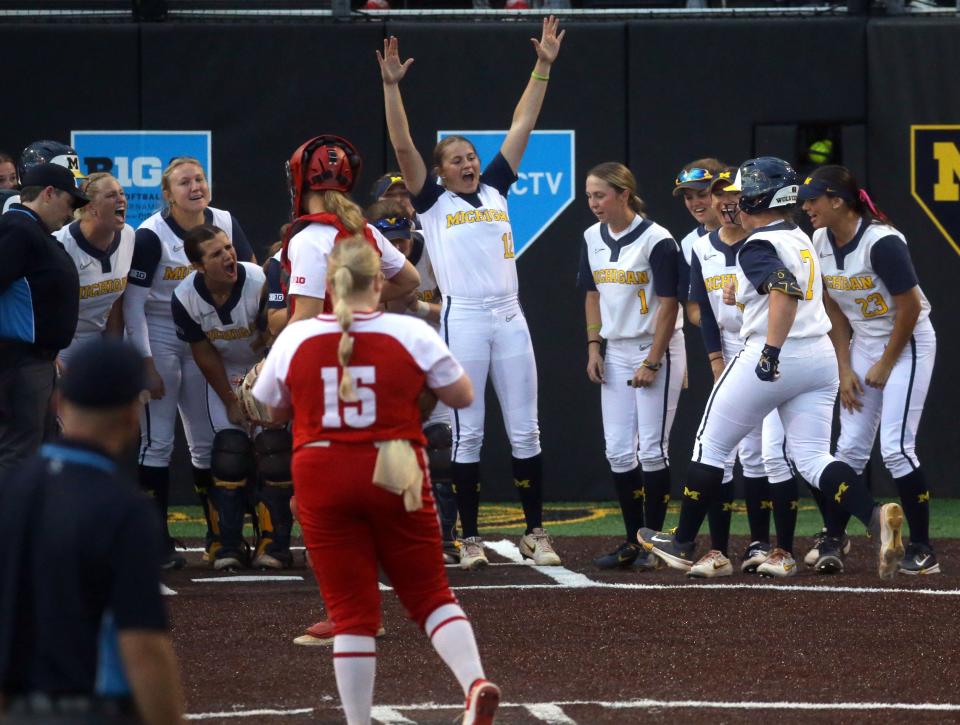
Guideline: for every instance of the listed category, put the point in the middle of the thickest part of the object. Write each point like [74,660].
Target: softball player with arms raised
[176,383]
[628,269]
[786,364]
[101,244]
[762,452]
[218,311]
[361,476]
[884,340]
[466,225]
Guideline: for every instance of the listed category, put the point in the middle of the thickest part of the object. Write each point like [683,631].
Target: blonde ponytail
[336,202]
[351,267]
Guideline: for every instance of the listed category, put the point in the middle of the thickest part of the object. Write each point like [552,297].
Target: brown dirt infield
[550,644]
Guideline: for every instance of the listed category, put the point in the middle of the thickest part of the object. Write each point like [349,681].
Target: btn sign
[545,184]
[935,177]
[137,159]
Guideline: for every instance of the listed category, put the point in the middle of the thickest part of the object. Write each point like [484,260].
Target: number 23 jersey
[394,356]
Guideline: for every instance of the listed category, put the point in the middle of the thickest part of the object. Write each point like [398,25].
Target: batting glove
[769,364]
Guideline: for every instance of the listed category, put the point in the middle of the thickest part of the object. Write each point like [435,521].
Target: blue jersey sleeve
[499,175]
[698,290]
[431,191]
[276,299]
[663,264]
[891,258]
[584,273]
[187,328]
[240,241]
[146,258]
[759,259]
[709,328]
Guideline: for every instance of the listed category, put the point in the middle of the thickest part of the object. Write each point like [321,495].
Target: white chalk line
[548,708]
[564,578]
[550,714]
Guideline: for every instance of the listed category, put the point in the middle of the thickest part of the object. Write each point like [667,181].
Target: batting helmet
[49,152]
[324,163]
[765,183]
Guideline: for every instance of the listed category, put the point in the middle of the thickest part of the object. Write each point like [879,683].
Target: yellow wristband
[537,77]
[594,328]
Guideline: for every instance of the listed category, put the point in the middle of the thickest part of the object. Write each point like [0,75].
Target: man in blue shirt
[83,628]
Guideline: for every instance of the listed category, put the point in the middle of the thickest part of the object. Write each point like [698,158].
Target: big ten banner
[935,177]
[137,159]
[545,184]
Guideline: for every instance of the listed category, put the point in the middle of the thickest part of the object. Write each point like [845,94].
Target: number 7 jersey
[394,357]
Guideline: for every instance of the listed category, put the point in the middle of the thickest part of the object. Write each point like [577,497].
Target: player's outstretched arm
[412,167]
[528,109]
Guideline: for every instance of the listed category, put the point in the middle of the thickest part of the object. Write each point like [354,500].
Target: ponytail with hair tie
[865,198]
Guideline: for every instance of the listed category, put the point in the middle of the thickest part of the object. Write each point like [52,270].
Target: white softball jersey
[231,328]
[783,245]
[713,266]
[631,271]
[309,248]
[103,277]
[160,262]
[863,275]
[469,237]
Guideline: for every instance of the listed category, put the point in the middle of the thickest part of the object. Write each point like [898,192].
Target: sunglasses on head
[694,174]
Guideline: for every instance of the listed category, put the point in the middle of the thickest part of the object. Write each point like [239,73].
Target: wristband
[538,77]
[594,328]
[422,309]
[591,342]
[651,365]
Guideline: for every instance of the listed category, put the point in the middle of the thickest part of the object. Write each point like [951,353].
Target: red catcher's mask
[322,163]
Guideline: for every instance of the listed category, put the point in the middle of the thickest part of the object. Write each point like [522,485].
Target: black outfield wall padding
[652,94]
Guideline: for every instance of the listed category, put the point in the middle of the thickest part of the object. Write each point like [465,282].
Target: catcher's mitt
[255,411]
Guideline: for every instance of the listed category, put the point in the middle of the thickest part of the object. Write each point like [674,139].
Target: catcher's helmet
[49,152]
[765,183]
[322,163]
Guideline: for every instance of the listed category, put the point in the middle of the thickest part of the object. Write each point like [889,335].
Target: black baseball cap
[383,184]
[104,373]
[58,177]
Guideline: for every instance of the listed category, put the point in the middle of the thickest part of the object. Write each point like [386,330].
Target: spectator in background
[39,303]
[8,171]
[83,631]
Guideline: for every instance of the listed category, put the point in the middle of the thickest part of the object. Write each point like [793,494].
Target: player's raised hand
[391,68]
[548,47]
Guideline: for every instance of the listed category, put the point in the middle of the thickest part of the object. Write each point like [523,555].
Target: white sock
[355,664]
[452,637]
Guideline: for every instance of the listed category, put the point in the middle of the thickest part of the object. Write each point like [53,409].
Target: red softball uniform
[349,525]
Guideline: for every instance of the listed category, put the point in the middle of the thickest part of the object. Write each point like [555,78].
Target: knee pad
[439,443]
[232,457]
[274,448]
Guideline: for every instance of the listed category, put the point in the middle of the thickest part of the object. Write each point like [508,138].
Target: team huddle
[342,382]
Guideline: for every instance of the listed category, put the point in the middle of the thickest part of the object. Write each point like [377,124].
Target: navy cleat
[622,558]
[919,560]
[664,546]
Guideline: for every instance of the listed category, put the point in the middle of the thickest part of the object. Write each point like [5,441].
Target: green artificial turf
[603,519]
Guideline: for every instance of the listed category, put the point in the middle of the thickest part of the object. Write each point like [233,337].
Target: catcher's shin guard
[230,464]
[439,442]
[202,481]
[274,448]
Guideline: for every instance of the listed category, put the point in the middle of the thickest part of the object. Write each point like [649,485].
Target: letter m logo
[935,177]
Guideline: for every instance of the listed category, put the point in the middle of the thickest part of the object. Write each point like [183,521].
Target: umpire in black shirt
[83,629]
[39,303]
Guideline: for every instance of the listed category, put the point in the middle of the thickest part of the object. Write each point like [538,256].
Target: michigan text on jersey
[619,276]
[478,215]
[176,272]
[849,283]
[719,281]
[236,333]
[107,286]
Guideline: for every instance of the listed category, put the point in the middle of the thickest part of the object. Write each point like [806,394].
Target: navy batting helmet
[49,152]
[766,182]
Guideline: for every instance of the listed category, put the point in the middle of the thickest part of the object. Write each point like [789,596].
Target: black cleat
[622,558]
[919,560]
[829,555]
[664,546]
